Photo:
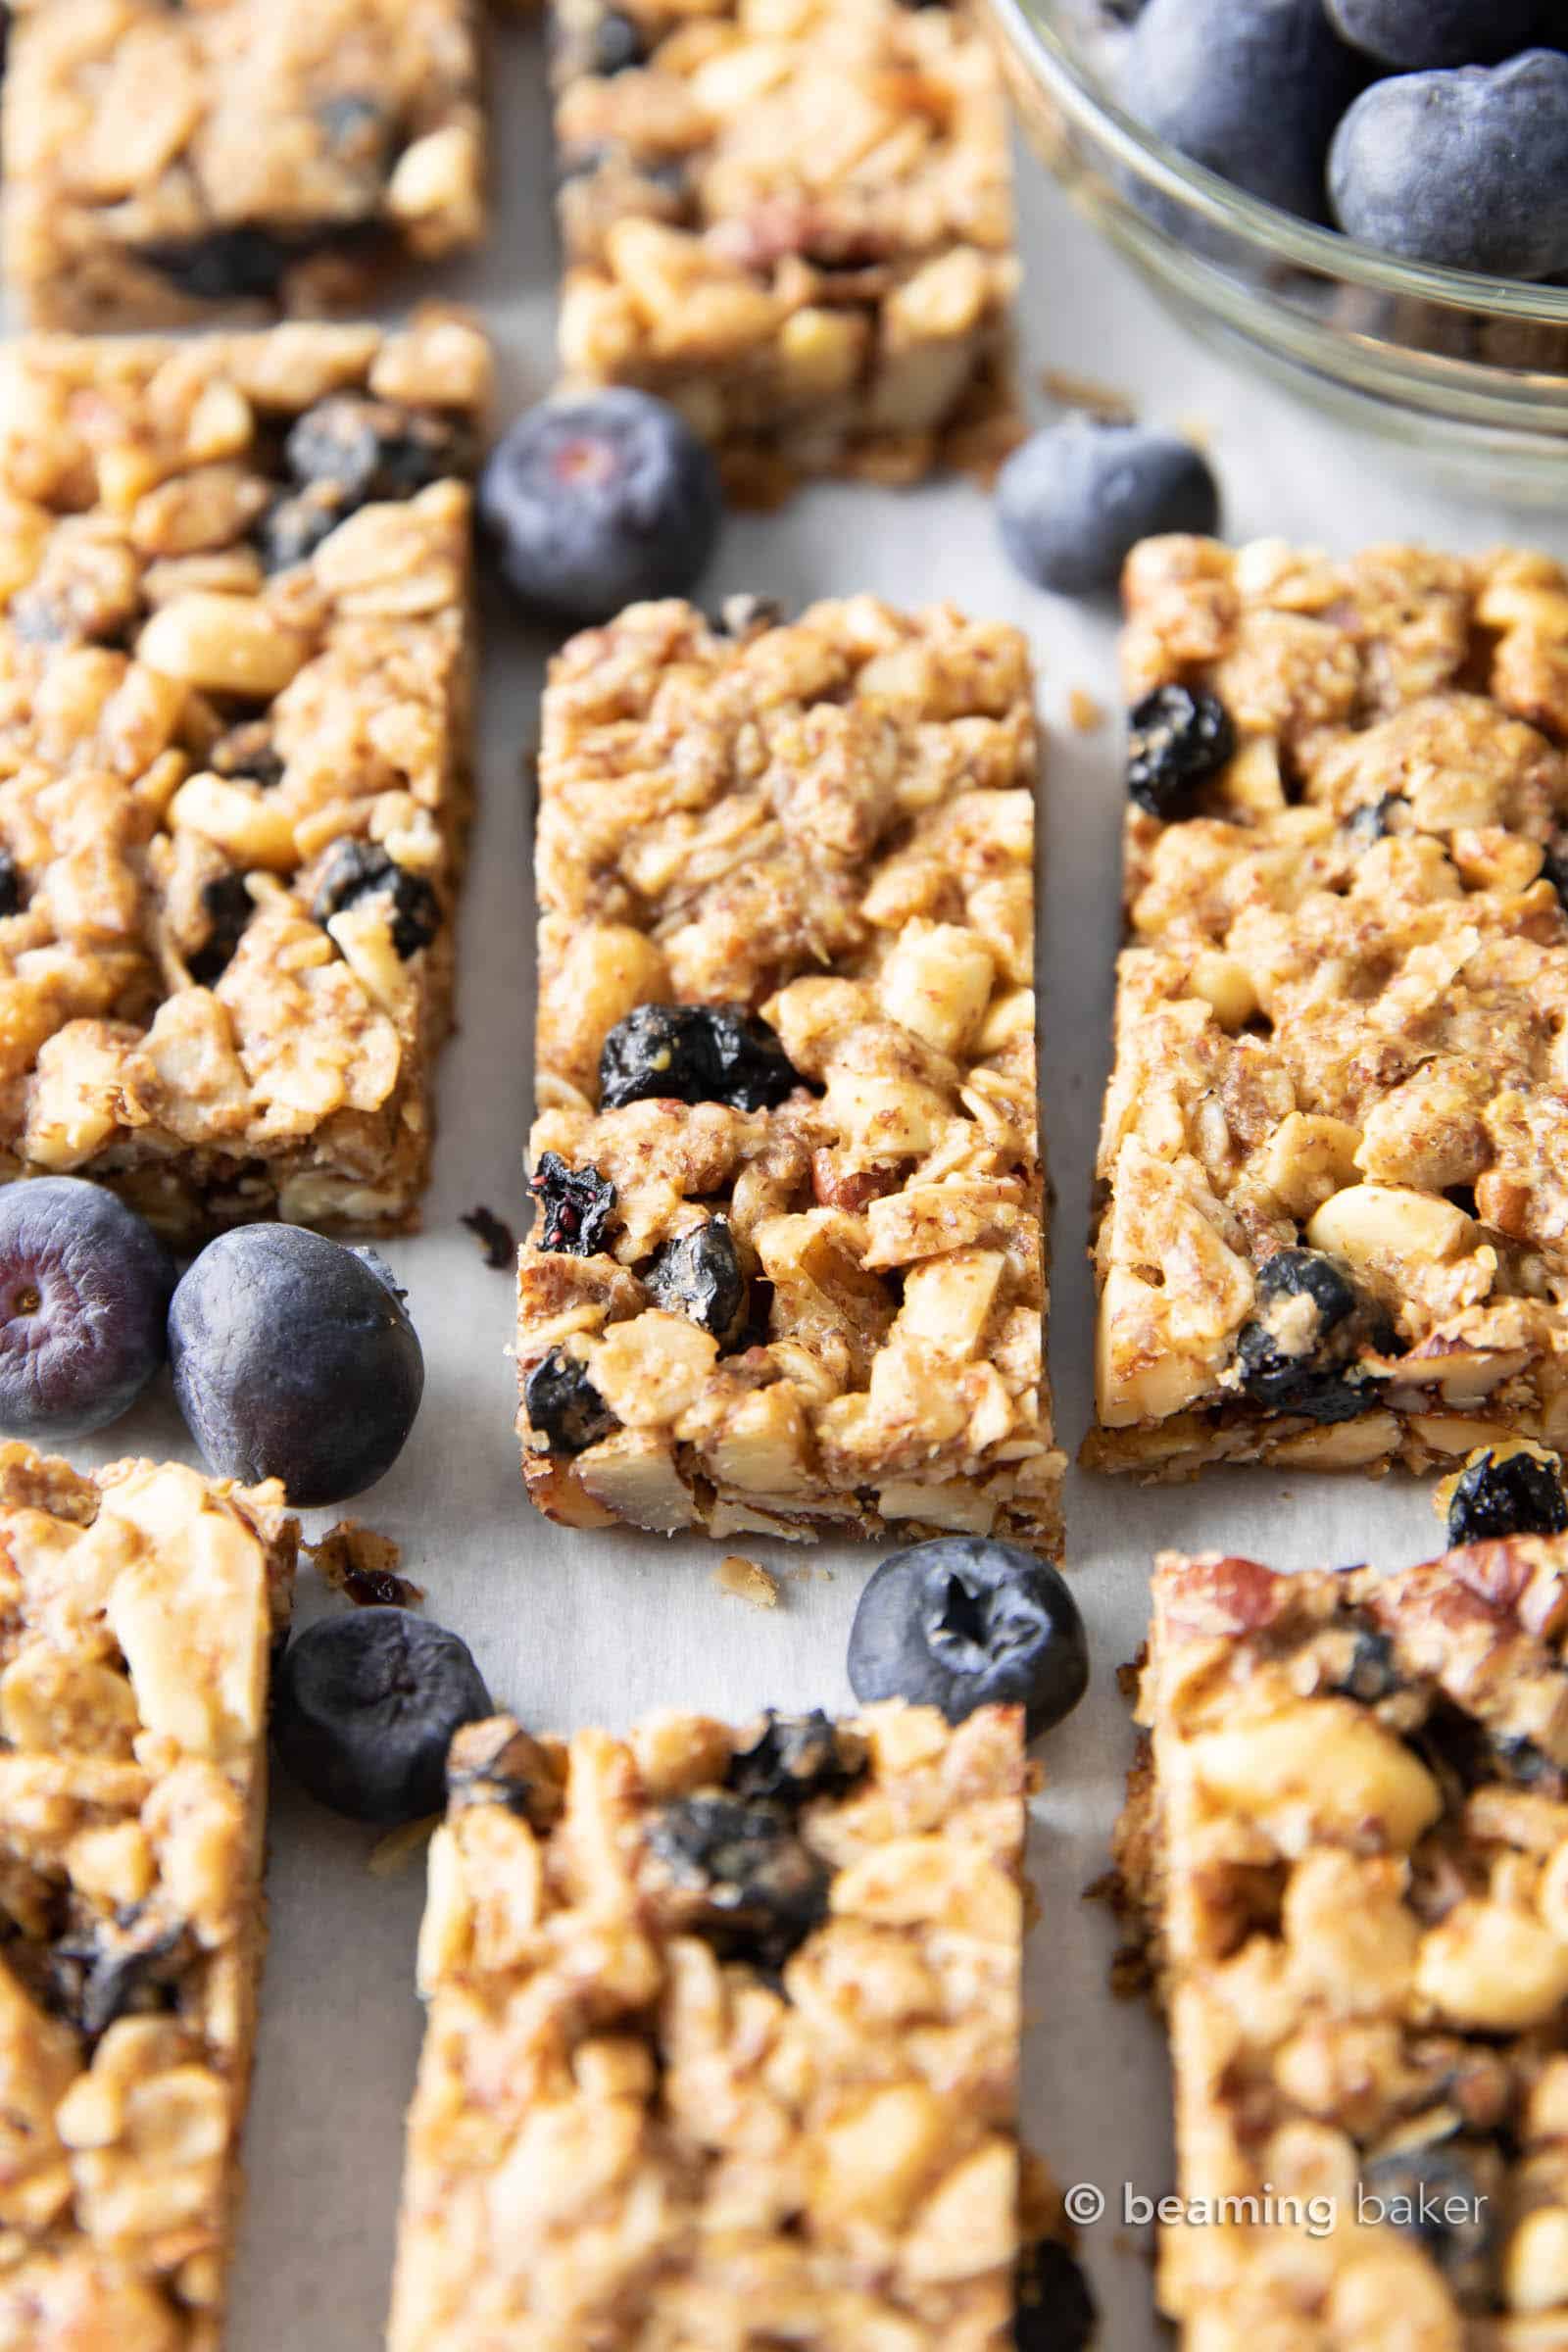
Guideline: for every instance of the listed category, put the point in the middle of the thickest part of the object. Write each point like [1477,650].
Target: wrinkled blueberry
[1252,91]
[694,1054]
[1179,736]
[599,501]
[366,449]
[1409,34]
[1507,1495]
[1075,500]
[85,1290]
[10,884]
[1369,1672]
[575,1206]
[1374,820]
[1296,1350]
[229,906]
[963,1622]
[564,1405]
[1054,2311]
[1431,2194]
[293,1360]
[364,1707]
[793,1759]
[293,526]
[248,751]
[224,265]
[699,1275]
[618,41]
[754,1873]
[125,1966]
[1468,170]
[358,869]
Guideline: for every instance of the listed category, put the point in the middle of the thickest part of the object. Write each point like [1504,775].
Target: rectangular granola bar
[796,224]
[791,1274]
[722,2043]
[1339,1022]
[235,657]
[1350,1843]
[169,164]
[137,1611]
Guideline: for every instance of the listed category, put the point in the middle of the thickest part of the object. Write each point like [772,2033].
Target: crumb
[747,1579]
[391,1855]
[495,1238]
[1076,391]
[356,1560]
[1085,712]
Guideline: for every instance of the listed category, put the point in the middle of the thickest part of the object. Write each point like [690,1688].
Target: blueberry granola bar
[137,1610]
[722,2044]
[788,1265]
[234,655]
[1350,1845]
[1333,1223]
[166,165]
[794,221]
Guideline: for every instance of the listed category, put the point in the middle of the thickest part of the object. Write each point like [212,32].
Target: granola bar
[722,2043]
[812,1291]
[137,1610]
[169,164]
[1351,1846]
[1339,1015]
[234,655]
[795,221]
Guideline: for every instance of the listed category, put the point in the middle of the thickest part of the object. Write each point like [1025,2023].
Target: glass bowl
[1468,374]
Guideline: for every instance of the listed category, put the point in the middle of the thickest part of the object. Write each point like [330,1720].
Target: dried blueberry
[229,906]
[1506,1494]
[1374,820]
[293,527]
[365,1708]
[699,1275]
[10,884]
[248,751]
[618,41]
[1369,1672]
[564,1405]
[963,1622]
[793,1759]
[373,449]
[694,1054]
[1295,1353]
[1055,2310]
[121,1967]
[1180,737]
[357,869]
[1519,1758]
[85,1290]
[755,1875]
[575,1206]
[1429,2193]
[243,264]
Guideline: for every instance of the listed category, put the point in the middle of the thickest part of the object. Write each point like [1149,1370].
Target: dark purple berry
[363,449]
[1297,1353]
[618,41]
[85,1290]
[10,884]
[699,1274]
[564,1405]
[364,1707]
[1431,2194]
[963,1622]
[1056,2311]
[1180,736]
[224,264]
[228,907]
[764,1890]
[1409,35]
[360,869]
[248,751]
[575,1206]
[793,1759]
[1507,1495]
[1076,498]
[694,1054]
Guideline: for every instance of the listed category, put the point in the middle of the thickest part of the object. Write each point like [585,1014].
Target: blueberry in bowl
[963,1622]
[597,501]
[294,1358]
[1075,499]
[364,1707]
[85,1291]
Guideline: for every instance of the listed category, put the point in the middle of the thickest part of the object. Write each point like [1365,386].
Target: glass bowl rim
[1326,252]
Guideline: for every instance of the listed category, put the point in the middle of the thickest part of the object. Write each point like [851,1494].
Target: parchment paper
[573,1627]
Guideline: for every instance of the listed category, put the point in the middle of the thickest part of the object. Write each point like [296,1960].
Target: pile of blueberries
[1433,129]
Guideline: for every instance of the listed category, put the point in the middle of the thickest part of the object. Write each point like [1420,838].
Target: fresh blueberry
[961,1623]
[293,1359]
[84,1290]
[1178,737]
[694,1054]
[1507,1495]
[364,1707]
[599,501]
[1411,34]
[1253,90]
[1075,500]
[1468,170]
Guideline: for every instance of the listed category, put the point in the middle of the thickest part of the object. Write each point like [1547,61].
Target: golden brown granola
[234,685]
[167,166]
[830,821]
[1352,1855]
[137,1612]
[1340,1018]
[722,2046]
[794,220]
